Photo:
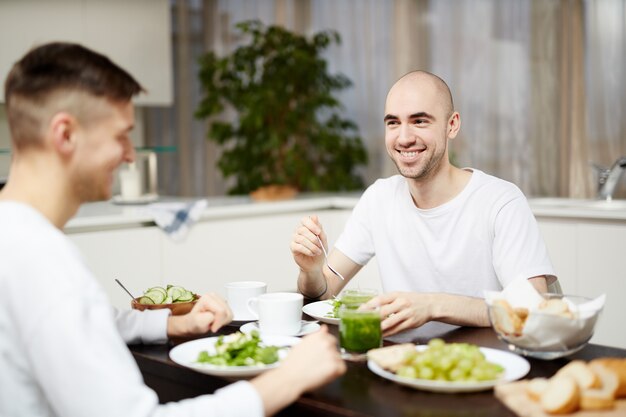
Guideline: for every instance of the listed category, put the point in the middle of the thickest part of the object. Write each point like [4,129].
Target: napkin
[543,331]
[175,219]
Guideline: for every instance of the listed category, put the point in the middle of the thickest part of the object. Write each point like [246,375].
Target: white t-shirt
[482,239]
[62,345]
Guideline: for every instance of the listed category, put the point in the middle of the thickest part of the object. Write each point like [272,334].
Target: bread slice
[618,366]
[391,357]
[505,319]
[602,398]
[536,387]
[582,374]
[555,306]
[561,395]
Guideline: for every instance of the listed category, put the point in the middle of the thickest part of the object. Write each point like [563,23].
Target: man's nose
[405,136]
[130,153]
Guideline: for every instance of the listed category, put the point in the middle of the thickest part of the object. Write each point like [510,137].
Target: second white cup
[238,293]
[279,313]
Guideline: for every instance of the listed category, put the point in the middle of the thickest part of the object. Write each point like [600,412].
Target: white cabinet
[590,259]
[131,255]
[215,251]
[134,34]
[601,265]
[249,248]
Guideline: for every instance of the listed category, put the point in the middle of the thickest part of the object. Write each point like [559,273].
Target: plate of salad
[234,355]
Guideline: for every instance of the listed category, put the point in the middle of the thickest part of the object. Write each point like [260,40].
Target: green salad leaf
[239,349]
[336,303]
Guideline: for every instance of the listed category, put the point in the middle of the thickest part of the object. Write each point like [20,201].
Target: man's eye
[391,122]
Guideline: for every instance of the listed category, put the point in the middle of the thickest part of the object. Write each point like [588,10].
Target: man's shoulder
[486,183]
[388,185]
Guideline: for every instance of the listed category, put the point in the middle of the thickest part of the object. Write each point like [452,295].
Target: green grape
[407,372]
[426,372]
[450,362]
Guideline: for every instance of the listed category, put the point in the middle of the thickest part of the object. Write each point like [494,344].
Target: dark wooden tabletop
[359,392]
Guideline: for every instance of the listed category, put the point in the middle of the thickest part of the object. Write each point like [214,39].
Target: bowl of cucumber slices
[174,297]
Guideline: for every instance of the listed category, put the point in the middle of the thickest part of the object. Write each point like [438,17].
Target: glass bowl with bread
[557,326]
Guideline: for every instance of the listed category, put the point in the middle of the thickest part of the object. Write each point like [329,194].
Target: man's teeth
[409,154]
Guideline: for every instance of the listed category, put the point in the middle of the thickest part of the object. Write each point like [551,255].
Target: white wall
[134,34]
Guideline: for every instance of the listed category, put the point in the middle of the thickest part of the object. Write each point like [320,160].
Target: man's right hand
[310,364]
[305,247]
[315,361]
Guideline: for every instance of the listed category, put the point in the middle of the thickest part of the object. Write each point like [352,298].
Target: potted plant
[286,130]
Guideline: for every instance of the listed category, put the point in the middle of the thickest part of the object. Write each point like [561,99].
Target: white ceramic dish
[186,355]
[249,317]
[320,310]
[142,199]
[515,367]
[307,327]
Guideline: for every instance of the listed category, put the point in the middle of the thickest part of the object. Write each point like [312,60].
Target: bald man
[441,234]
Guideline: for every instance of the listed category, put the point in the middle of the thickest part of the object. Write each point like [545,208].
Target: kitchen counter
[106,215]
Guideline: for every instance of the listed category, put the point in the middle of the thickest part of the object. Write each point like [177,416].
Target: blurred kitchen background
[540,84]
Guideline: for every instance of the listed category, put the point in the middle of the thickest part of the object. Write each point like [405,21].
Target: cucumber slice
[175,292]
[157,296]
[167,300]
[187,296]
[160,289]
[145,300]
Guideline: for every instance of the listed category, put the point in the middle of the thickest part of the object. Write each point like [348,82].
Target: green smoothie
[359,331]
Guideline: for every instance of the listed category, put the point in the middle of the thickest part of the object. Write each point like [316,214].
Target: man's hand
[305,247]
[401,311]
[209,313]
[310,364]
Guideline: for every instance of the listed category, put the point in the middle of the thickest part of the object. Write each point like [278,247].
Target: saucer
[307,327]
[244,318]
[142,199]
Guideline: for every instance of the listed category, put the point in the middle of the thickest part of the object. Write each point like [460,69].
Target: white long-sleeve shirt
[62,345]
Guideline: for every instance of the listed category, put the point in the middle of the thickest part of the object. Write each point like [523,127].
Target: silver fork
[326,256]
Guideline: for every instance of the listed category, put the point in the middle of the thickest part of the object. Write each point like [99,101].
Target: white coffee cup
[279,313]
[130,182]
[238,293]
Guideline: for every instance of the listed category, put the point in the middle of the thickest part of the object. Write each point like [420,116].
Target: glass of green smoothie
[359,331]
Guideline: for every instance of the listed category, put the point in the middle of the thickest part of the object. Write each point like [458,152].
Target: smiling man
[62,350]
[441,234]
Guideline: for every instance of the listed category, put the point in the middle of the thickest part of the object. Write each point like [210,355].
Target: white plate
[319,310]
[186,354]
[142,199]
[245,318]
[307,327]
[514,366]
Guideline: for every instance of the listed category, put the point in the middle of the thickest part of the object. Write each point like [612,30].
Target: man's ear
[454,124]
[63,130]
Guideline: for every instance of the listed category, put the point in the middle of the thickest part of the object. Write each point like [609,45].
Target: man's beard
[422,171]
[92,189]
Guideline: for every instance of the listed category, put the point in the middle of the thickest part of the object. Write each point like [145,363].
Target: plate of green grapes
[447,367]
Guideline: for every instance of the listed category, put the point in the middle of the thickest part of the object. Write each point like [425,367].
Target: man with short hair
[441,234]
[62,345]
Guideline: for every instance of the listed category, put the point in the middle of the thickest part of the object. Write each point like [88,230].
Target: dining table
[360,392]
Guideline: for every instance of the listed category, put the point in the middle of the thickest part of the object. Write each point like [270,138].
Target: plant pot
[274,193]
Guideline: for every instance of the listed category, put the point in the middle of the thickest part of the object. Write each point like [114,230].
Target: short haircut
[57,75]
[439,83]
